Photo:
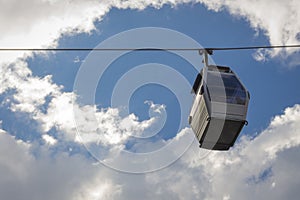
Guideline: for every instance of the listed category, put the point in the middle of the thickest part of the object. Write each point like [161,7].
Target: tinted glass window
[197,83]
[225,88]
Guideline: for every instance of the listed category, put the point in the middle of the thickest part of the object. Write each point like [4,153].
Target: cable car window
[197,83]
[226,88]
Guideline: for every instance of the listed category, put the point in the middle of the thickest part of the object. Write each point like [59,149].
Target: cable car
[220,106]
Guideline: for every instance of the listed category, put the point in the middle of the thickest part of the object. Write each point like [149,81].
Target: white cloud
[24,176]
[49,139]
[32,92]
[99,189]
[104,126]
[37,24]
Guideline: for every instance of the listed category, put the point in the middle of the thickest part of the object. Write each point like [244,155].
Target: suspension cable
[155,49]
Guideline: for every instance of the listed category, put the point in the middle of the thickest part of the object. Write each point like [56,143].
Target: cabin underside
[219,134]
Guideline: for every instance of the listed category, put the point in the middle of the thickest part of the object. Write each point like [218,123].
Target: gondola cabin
[220,107]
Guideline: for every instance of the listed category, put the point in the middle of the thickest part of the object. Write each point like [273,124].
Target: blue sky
[91,146]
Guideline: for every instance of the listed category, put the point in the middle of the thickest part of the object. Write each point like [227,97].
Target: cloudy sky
[113,125]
